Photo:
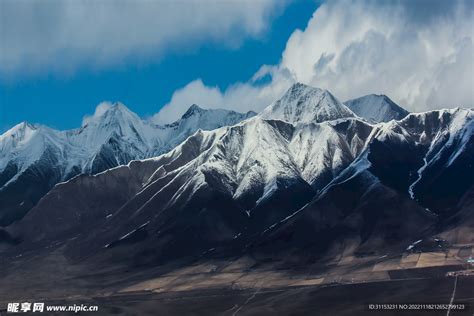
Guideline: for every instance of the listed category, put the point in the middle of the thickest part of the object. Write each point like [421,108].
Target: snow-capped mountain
[26,143]
[275,183]
[305,104]
[34,158]
[113,139]
[270,185]
[376,108]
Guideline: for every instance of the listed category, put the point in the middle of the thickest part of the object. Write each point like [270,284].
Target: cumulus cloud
[412,51]
[61,35]
[420,53]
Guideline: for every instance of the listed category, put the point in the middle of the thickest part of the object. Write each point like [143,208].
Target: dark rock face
[19,196]
[443,184]
[360,212]
[395,163]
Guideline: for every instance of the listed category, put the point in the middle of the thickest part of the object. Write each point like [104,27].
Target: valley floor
[340,299]
[337,299]
[345,286]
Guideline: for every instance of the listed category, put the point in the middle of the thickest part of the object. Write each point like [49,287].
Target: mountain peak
[376,108]
[118,108]
[193,109]
[298,89]
[305,104]
[299,85]
[22,126]
[112,121]
[107,113]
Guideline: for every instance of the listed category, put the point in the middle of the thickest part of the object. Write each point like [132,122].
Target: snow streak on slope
[457,132]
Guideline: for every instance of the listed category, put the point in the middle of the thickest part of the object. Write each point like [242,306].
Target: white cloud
[99,111]
[420,53]
[61,35]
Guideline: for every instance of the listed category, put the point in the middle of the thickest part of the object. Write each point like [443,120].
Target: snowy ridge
[117,131]
[35,158]
[197,118]
[257,157]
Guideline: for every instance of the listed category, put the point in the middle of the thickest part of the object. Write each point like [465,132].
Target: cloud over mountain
[420,53]
[399,49]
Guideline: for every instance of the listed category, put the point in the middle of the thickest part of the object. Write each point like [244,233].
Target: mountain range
[33,158]
[307,177]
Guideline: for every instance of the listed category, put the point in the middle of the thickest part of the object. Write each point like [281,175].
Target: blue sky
[61,100]
[61,58]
